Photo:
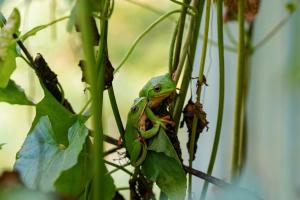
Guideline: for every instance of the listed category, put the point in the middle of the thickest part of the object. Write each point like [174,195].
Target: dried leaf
[190,110]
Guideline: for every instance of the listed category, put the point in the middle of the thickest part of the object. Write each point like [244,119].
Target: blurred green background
[274,111]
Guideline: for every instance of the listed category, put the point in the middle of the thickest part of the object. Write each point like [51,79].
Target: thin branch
[116,112]
[118,167]
[221,96]
[179,37]
[272,33]
[200,81]
[239,93]
[220,183]
[113,150]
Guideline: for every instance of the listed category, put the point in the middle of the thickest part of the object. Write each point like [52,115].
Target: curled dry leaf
[49,80]
[231,10]
[190,110]
[108,73]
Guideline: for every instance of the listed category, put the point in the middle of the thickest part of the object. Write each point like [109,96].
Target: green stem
[95,68]
[185,3]
[201,71]
[36,29]
[221,96]
[194,31]
[115,110]
[142,35]
[171,51]
[183,57]
[85,106]
[246,79]
[239,93]
[180,35]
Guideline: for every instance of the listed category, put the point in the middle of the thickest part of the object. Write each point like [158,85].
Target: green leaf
[8,48]
[1,145]
[14,94]
[42,160]
[109,187]
[80,174]
[167,173]
[162,144]
[163,166]
[61,119]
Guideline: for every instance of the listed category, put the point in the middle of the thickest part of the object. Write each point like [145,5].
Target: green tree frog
[136,133]
[157,89]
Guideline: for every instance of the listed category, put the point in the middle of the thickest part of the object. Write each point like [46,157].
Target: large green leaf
[163,166]
[42,160]
[14,94]
[8,48]
[162,144]
[109,188]
[167,173]
[61,119]
[80,174]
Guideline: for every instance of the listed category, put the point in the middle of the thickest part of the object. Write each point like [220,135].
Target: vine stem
[239,93]
[200,79]
[115,110]
[95,69]
[194,31]
[142,35]
[221,96]
[272,33]
[179,35]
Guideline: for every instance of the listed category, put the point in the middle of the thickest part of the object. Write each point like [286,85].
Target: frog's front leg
[156,120]
[139,152]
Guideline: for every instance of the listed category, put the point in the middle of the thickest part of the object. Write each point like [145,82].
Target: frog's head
[137,109]
[158,88]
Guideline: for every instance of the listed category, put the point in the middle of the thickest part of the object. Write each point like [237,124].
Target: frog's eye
[134,109]
[157,88]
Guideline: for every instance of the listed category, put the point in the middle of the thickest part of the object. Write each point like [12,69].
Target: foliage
[61,156]
[14,94]
[8,47]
